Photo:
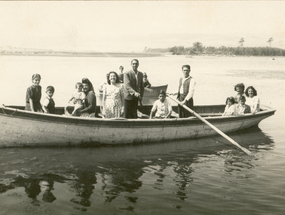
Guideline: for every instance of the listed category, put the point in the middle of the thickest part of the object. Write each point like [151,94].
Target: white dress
[112,101]
[254,103]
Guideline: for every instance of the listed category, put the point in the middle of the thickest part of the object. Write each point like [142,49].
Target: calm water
[202,176]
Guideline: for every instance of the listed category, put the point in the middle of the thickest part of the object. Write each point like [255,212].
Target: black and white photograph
[142,107]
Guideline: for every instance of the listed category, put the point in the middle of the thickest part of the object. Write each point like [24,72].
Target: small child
[230,109]
[162,107]
[34,94]
[240,92]
[78,99]
[48,104]
[242,108]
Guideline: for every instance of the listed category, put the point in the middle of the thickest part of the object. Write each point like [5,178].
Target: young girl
[113,97]
[34,94]
[78,98]
[240,92]
[48,104]
[230,108]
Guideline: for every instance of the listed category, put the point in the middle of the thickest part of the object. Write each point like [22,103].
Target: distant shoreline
[78,54]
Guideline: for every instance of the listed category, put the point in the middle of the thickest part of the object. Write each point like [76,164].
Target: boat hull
[23,128]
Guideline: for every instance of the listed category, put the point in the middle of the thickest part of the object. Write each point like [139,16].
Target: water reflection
[83,188]
[124,173]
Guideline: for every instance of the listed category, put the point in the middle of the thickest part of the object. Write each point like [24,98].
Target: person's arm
[70,99]
[44,106]
[256,105]
[103,101]
[122,99]
[31,104]
[127,84]
[153,109]
[191,90]
[141,90]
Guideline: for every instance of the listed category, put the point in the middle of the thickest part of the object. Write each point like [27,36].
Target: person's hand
[137,94]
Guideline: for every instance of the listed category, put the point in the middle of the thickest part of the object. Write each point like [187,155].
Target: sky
[130,26]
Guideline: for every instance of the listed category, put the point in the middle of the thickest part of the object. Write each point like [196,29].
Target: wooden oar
[213,127]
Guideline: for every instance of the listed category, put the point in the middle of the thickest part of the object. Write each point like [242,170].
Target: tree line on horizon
[198,49]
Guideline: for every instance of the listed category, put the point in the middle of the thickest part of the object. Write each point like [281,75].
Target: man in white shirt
[186,92]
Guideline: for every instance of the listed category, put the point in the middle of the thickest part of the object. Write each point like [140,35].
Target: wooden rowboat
[24,128]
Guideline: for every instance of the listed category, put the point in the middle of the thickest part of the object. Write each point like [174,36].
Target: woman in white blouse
[252,99]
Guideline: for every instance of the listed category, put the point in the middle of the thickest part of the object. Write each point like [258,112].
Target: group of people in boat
[244,102]
[122,93]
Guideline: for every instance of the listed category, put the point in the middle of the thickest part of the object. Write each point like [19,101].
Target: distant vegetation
[199,49]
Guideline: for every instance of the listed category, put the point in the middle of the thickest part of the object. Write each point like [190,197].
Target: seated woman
[113,97]
[230,109]
[242,108]
[162,107]
[252,99]
[240,92]
[89,109]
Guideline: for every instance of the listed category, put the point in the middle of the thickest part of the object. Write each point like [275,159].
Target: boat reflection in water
[127,178]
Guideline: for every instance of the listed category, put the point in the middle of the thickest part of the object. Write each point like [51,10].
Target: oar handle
[213,127]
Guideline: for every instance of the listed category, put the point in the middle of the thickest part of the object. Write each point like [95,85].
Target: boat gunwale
[127,122]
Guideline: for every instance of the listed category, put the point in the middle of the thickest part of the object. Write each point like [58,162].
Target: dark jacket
[131,85]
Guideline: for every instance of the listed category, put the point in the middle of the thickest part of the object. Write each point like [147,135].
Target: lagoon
[201,176]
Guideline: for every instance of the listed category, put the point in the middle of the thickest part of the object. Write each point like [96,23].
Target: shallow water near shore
[200,176]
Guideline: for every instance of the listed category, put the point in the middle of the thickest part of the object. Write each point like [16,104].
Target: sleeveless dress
[112,104]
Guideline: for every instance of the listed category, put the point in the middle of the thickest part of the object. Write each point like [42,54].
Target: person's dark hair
[117,77]
[162,92]
[253,89]
[87,81]
[242,98]
[135,60]
[232,99]
[36,76]
[241,85]
[50,88]
[186,66]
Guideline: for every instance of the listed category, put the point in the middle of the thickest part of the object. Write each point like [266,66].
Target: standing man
[185,92]
[133,90]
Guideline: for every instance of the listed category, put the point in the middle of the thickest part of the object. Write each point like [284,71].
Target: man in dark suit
[133,90]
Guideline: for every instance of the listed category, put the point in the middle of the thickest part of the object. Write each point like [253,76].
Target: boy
[161,107]
[242,108]
[48,104]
